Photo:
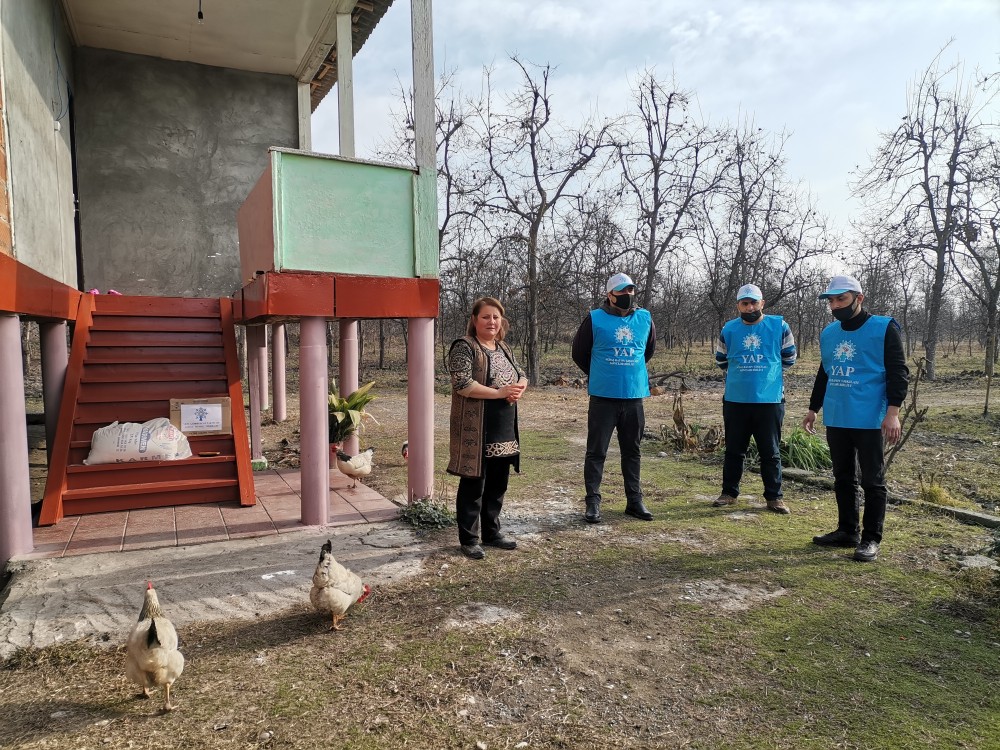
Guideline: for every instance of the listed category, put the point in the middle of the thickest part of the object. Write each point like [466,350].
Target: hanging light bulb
[201,16]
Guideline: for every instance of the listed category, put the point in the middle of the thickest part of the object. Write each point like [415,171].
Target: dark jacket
[466,433]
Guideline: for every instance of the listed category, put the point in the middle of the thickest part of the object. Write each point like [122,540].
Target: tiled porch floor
[277,512]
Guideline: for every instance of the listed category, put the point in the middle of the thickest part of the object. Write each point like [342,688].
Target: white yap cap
[618,282]
[841,284]
[749,291]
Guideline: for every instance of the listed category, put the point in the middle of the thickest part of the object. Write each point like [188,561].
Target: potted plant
[348,415]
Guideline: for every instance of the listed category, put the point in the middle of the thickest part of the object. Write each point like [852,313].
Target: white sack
[155,440]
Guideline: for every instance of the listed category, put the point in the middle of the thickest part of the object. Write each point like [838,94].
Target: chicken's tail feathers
[365,591]
[152,638]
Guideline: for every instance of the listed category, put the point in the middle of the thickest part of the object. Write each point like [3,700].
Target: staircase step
[149,488]
[170,307]
[198,493]
[149,354]
[151,472]
[127,411]
[147,373]
[221,444]
[155,338]
[149,324]
[131,391]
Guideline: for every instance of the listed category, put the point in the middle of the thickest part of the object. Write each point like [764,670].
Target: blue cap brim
[622,287]
[835,292]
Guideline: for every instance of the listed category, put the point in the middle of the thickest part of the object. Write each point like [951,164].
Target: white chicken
[152,658]
[357,466]
[335,589]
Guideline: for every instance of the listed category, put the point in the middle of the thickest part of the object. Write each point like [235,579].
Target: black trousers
[480,500]
[762,422]
[604,416]
[851,450]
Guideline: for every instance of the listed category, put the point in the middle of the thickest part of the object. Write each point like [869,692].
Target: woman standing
[486,384]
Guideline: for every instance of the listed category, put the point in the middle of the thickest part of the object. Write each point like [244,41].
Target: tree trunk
[381,344]
[934,313]
[532,311]
[990,356]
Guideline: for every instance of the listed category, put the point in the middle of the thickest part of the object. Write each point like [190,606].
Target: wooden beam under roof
[366,15]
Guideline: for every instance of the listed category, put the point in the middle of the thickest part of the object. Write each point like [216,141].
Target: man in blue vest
[754,350]
[861,382]
[612,346]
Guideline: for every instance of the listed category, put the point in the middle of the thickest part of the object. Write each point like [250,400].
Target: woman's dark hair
[477,306]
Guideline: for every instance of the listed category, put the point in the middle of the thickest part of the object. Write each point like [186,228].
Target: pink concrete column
[55,362]
[420,409]
[15,486]
[347,382]
[253,386]
[262,364]
[278,371]
[314,428]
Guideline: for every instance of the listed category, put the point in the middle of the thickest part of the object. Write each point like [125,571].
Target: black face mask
[845,313]
[751,317]
[624,301]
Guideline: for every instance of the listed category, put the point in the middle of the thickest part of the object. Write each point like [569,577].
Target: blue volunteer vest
[854,362]
[617,361]
[754,353]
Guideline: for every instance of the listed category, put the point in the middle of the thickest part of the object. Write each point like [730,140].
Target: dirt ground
[700,630]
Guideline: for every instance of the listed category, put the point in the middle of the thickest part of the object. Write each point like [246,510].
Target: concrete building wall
[36,62]
[166,153]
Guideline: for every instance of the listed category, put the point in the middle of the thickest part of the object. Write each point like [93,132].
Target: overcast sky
[832,73]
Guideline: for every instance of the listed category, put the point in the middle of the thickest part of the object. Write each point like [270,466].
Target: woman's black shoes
[501,542]
[474,551]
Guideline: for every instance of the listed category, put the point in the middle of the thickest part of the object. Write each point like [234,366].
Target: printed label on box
[201,417]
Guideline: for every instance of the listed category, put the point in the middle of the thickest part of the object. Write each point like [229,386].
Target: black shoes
[866,552]
[501,542]
[638,510]
[474,551]
[838,538]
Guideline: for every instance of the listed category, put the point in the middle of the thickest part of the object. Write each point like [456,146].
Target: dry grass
[702,629]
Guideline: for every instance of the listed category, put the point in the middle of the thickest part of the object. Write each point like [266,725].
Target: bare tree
[915,184]
[535,165]
[668,160]
[756,226]
[976,256]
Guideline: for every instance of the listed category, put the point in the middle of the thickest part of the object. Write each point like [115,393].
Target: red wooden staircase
[130,356]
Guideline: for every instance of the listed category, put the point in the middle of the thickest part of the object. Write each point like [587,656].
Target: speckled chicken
[152,658]
[335,589]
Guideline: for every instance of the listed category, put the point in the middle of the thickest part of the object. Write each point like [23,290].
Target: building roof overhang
[285,37]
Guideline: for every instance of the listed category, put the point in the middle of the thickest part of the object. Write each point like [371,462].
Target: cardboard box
[202,416]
